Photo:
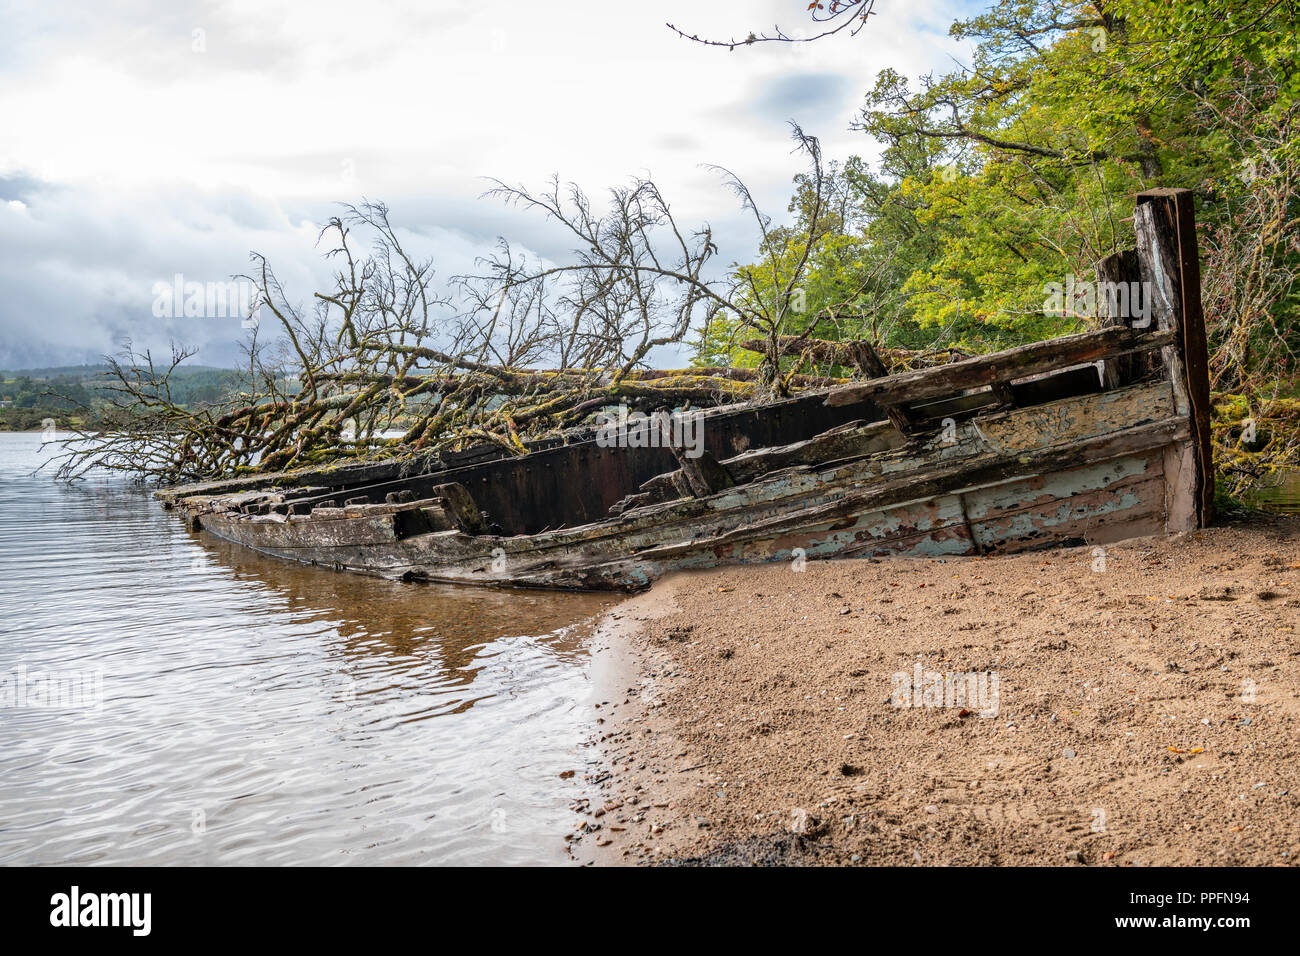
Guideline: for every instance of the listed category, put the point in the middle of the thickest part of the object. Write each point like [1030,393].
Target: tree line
[1006,178]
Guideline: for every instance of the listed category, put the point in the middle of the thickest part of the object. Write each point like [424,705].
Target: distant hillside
[74,394]
[82,372]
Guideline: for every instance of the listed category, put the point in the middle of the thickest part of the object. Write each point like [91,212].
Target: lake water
[222,708]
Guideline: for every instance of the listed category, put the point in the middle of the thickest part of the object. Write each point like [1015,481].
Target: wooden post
[460,505]
[868,362]
[1170,270]
[704,474]
[1117,271]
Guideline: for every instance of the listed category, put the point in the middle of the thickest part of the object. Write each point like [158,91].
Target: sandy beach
[1136,705]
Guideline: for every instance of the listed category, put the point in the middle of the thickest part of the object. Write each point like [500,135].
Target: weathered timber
[1088,504]
[852,440]
[855,506]
[1037,449]
[704,474]
[1022,362]
[869,362]
[577,481]
[950,478]
[1064,421]
[1117,275]
[459,503]
[1168,259]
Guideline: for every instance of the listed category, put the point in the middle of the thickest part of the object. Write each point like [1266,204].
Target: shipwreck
[1084,439]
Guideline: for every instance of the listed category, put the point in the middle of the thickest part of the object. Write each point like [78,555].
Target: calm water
[247,711]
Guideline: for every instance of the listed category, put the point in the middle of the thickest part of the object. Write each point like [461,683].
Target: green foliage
[1019,170]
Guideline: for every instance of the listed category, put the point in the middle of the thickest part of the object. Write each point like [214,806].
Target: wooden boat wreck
[1089,438]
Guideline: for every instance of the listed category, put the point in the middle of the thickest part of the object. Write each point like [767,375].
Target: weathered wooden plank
[1037,491]
[933,528]
[848,441]
[704,474]
[915,485]
[1073,418]
[852,440]
[459,504]
[1169,262]
[1117,272]
[1032,359]
[871,365]
[1180,483]
[277,533]
[1077,521]
[1082,504]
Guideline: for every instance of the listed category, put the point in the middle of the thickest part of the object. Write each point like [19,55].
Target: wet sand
[1140,706]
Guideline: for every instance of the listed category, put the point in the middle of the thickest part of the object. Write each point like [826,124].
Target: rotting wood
[1043,452]
[617,555]
[852,440]
[1006,366]
[460,505]
[704,474]
[1167,252]
[1116,276]
[1062,421]
[869,362]
[947,479]
[630,551]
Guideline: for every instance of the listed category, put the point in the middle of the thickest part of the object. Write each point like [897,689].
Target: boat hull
[1085,470]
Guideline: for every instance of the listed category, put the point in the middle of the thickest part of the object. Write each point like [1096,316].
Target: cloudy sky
[144,138]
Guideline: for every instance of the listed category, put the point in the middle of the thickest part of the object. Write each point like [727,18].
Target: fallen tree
[383,364]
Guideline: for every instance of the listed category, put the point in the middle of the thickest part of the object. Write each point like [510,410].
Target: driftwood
[1119,273]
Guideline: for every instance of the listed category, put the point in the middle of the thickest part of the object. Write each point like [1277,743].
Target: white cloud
[140,151]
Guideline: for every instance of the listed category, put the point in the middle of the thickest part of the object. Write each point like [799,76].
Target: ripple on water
[254,711]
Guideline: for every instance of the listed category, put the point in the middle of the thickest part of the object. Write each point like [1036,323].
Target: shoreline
[1146,713]
[624,801]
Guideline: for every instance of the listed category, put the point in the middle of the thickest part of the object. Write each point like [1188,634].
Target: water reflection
[410,626]
[257,711]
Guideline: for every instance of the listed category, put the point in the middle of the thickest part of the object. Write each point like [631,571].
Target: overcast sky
[148,138]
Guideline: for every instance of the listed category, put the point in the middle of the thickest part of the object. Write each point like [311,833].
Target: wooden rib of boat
[1089,438]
